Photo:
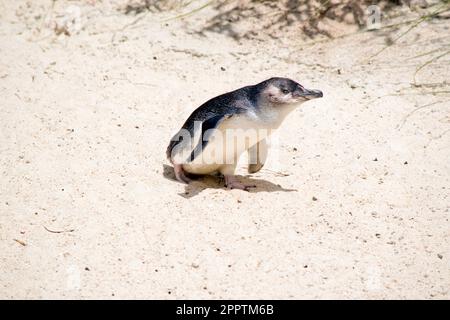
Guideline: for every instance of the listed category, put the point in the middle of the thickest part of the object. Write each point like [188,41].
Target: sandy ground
[353,202]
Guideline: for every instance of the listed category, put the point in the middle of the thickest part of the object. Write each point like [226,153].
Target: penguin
[218,132]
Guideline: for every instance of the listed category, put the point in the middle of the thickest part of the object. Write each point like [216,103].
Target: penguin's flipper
[207,126]
[257,156]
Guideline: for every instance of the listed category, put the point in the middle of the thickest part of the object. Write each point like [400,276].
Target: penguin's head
[287,91]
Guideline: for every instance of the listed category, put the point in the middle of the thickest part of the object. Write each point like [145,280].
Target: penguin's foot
[180,174]
[232,183]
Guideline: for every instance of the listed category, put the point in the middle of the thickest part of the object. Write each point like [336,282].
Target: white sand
[85,120]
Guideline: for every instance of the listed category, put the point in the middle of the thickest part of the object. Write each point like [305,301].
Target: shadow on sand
[272,15]
[216,182]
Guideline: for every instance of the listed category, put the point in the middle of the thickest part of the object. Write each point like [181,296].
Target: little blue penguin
[217,133]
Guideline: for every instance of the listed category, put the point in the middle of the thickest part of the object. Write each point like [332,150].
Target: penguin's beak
[309,93]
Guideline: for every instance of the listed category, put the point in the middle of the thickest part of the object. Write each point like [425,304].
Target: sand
[353,202]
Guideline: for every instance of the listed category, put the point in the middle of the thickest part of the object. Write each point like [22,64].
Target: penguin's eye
[285,91]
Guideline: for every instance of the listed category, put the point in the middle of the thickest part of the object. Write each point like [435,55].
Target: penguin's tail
[172,144]
[169,151]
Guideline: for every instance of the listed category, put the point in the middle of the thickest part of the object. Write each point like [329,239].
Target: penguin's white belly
[227,143]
